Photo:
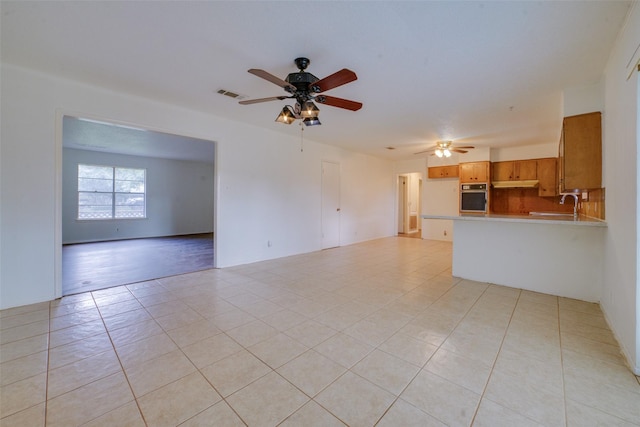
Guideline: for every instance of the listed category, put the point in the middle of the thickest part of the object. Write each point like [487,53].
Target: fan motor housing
[301,80]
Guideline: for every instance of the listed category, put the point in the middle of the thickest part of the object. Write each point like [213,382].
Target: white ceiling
[489,73]
[87,134]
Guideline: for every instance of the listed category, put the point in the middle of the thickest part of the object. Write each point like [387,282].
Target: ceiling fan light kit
[303,87]
[309,110]
[445,149]
[286,116]
[311,121]
[441,153]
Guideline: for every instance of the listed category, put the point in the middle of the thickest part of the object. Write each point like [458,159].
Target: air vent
[230,94]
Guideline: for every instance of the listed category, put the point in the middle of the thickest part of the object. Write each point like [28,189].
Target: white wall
[266,189]
[536,151]
[557,259]
[179,198]
[620,298]
[583,99]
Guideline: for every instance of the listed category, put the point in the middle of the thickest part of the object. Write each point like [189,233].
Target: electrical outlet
[445,232]
[268,243]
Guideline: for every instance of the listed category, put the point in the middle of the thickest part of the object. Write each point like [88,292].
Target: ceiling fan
[445,148]
[305,88]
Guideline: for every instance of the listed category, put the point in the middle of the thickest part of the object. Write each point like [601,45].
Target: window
[107,192]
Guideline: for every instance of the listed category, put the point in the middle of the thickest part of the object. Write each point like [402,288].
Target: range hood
[527,183]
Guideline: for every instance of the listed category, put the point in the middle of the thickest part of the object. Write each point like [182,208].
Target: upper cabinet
[474,172]
[450,171]
[518,170]
[580,164]
[547,177]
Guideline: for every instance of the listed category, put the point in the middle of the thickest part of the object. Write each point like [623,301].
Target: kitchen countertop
[529,219]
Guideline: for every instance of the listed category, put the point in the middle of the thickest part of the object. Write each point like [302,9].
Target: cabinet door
[435,172]
[481,172]
[517,170]
[582,156]
[450,171]
[503,171]
[547,177]
[474,172]
[525,169]
[466,172]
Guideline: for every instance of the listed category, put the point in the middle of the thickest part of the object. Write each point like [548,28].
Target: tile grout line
[199,370]
[493,365]
[564,387]
[312,398]
[115,351]
[430,357]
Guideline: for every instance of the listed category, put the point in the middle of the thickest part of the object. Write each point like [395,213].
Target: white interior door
[330,205]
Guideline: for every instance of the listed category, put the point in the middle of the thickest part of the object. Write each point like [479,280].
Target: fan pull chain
[301,138]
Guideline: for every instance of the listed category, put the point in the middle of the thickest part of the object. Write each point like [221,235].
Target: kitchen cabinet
[580,154]
[450,171]
[547,177]
[474,172]
[518,170]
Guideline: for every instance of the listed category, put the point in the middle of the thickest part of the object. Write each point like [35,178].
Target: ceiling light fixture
[443,152]
[286,116]
[311,121]
[309,110]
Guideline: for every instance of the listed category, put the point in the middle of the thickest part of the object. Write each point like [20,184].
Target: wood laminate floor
[92,266]
[414,235]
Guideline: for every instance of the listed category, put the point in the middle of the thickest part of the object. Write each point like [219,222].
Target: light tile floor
[377,333]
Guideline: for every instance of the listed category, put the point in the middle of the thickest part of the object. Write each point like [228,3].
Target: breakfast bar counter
[550,254]
[542,218]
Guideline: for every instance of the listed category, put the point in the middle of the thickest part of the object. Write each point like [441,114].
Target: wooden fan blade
[336,79]
[464,146]
[255,101]
[458,150]
[426,151]
[339,102]
[273,79]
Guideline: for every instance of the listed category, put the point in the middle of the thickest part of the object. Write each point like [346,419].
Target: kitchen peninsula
[556,255]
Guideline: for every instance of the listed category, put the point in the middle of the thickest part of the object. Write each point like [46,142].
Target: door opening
[173,205]
[402,203]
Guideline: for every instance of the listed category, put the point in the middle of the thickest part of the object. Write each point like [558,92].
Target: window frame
[113,193]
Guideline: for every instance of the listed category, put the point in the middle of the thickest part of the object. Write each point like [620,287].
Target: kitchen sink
[567,214]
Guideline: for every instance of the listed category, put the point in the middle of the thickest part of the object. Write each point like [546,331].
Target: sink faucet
[575,202]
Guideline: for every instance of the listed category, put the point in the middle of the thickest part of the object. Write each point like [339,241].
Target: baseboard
[631,364]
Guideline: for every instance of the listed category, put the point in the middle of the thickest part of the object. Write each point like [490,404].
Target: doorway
[111,234]
[402,204]
[409,208]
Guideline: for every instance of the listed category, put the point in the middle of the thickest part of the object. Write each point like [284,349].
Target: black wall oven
[473,198]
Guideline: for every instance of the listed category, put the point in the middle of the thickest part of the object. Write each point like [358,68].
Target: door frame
[57,234]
